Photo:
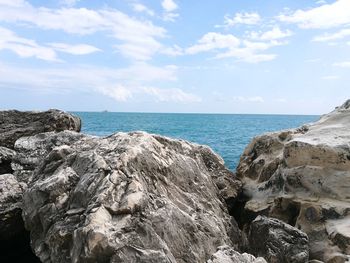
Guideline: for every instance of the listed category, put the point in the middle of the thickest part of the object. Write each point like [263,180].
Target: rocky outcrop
[6,156]
[30,151]
[226,254]
[130,197]
[10,212]
[302,177]
[277,241]
[16,168]
[16,124]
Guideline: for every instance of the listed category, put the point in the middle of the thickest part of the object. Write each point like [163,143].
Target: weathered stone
[6,156]
[10,212]
[130,198]
[302,177]
[30,151]
[277,241]
[225,254]
[16,124]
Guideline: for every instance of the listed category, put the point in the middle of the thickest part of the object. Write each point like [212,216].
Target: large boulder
[226,254]
[302,177]
[277,241]
[130,197]
[16,124]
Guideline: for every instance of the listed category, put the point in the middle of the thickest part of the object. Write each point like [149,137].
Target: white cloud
[330,77]
[119,84]
[273,34]
[140,8]
[227,45]
[256,99]
[23,47]
[169,5]
[118,93]
[212,41]
[79,49]
[325,16]
[241,18]
[331,37]
[171,95]
[136,39]
[344,64]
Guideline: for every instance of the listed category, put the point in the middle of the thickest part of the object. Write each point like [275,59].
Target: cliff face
[302,177]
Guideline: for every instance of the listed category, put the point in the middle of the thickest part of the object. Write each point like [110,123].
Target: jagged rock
[277,241]
[225,254]
[10,212]
[14,240]
[31,150]
[16,170]
[302,177]
[6,156]
[16,124]
[130,198]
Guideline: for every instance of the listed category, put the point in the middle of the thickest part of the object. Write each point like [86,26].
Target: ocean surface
[227,134]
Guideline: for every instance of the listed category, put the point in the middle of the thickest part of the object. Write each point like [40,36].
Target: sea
[226,134]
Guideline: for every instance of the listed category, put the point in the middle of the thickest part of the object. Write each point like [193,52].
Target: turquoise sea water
[227,134]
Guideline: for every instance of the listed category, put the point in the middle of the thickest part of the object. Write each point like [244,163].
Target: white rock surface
[130,197]
[226,254]
[302,177]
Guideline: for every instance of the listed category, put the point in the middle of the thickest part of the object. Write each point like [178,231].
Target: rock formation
[130,198]
[15,173]
[16,124]
[226,254]
[277,241]
[137,197]
[302,177]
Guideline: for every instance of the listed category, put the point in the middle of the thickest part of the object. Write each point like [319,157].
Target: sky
[201,56]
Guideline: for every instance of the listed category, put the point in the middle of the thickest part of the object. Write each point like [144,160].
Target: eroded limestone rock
[302,177]
[225,254]
[277,241]
[130,198]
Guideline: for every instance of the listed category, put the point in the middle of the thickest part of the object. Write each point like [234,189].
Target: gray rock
[11,191]
[277,241]
[302,176]
[30,151]
[6,156]
[226,254]
[130,197]
[16,124]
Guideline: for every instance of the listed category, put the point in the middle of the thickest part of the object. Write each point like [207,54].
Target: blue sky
[222,56]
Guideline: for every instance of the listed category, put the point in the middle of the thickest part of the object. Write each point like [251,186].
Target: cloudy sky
[217,56]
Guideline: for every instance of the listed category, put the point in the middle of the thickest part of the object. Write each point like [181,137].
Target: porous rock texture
[130,197]
[302,176]
[16,124]
[226,254]
[277,241]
